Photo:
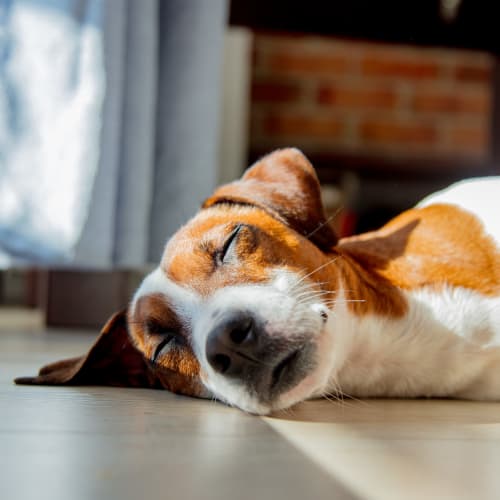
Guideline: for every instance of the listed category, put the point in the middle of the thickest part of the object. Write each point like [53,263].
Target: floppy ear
[112,360]
[285,185]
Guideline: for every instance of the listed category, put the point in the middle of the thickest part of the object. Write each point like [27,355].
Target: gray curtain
[155,152]
[160,134]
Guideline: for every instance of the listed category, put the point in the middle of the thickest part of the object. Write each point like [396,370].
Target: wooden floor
[105,443]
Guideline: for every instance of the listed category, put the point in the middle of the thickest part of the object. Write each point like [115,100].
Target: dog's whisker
[317,269]
[340,393]
[335,397]
[325,222]
[306,296]
[330,397]
[311,289]
[343,301]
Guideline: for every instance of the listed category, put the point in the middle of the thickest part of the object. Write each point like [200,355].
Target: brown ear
[285,185]
[112,360]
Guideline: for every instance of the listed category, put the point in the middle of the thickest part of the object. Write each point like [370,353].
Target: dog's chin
[313,385]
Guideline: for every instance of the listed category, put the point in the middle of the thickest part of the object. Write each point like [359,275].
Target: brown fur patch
[179,359]
[262,245]
[190,264]
[433,246]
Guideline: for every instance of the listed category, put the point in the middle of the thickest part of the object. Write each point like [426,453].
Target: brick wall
[330,95]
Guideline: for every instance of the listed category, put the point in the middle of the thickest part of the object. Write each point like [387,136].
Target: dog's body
[447,342]
[256,303]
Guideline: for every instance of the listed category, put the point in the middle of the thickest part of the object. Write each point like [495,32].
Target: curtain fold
[150,138]
[191,48]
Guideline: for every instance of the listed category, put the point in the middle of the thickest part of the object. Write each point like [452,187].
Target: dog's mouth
[284,371]
[290,371]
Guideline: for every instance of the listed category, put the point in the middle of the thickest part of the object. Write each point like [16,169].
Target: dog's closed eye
[165,336]
[161,345]
[226,253]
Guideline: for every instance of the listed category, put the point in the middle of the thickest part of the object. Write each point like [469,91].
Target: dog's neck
[363,288]
[369,316]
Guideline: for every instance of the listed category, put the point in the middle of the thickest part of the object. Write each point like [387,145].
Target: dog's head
[238,307]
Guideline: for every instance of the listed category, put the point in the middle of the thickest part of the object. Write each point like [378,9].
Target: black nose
[232,344]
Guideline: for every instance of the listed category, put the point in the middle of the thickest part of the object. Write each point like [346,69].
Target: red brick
[397,133]
[474,73]
[302,126]
[304,63]
[398,67]
[345,97]
[473,140]
[275,92]
[478,103]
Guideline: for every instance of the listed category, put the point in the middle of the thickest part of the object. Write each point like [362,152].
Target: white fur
[448,345]
[479,196]
[185,302]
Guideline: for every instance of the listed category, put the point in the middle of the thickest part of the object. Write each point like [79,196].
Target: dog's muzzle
[240,348]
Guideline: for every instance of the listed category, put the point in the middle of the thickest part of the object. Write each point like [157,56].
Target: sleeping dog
[258,304]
